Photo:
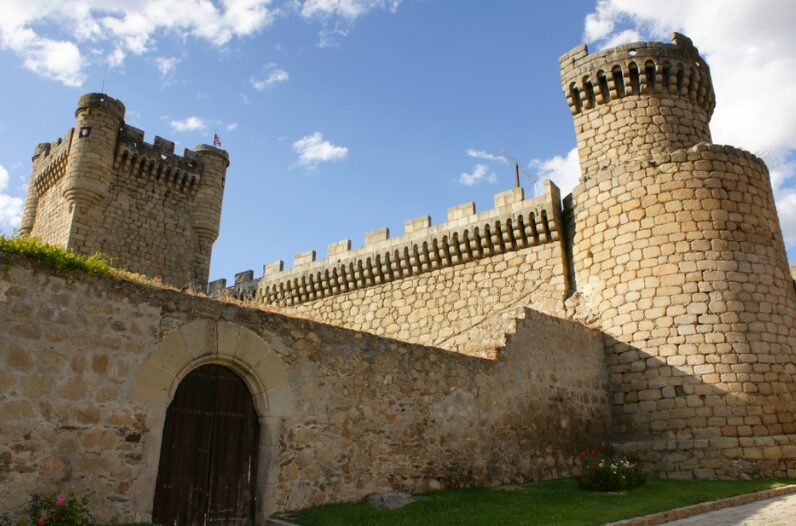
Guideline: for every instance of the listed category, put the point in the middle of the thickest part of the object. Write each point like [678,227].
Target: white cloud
[116,57]
[338,16]
[189,124]
[623,37]
[166,65]
[348,9]
[232,126]
[563,171]
[481,154]
[10,207]
[273,75]
[119,27]
[313,149]
[481,172]
[749,47]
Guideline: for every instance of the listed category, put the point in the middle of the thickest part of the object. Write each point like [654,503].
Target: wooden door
[208,460]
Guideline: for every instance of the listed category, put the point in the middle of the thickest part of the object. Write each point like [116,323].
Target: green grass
[55,257]
[557,502]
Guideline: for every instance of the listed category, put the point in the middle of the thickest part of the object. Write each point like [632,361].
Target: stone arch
[238,348]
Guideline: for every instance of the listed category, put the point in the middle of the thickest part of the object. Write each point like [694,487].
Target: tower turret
[206,209]
[637,98]
[32,199]
[678,256]
[89,171]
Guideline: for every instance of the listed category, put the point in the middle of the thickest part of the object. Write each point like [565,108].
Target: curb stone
[704,507]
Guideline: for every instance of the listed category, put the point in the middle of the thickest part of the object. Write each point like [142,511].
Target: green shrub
[603,473]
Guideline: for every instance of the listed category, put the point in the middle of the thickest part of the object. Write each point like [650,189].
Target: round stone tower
[206,209]
[90,168]
[678,258]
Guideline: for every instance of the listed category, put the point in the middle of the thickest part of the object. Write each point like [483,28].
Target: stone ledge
[704,507]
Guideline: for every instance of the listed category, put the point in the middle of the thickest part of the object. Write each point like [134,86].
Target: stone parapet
[156,161]
[516,223]
[640,68]
[52,162]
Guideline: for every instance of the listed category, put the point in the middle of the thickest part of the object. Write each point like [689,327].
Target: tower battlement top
[639,68]
[101,101]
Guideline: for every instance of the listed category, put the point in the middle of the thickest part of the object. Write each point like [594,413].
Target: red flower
[593,452]
[40,522]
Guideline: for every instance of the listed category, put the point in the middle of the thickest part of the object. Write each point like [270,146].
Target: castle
[651,311]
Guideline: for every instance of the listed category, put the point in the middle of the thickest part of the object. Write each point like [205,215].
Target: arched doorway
[208,457]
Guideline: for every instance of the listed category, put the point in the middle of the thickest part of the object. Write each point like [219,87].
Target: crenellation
[462,211]
[303,258]
[217,287]
[272,268]
[338,248]
[242,277]
[509,197]
[417,224]
[164,146]
[377,236]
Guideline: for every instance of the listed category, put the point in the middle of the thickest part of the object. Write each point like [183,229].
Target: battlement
[515,223]
[102,102]
[52,158]
[156,161]
[641,68]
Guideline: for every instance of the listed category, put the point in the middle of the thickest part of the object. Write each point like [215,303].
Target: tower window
[85,131]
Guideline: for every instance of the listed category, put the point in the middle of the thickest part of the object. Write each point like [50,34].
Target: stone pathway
[779,511]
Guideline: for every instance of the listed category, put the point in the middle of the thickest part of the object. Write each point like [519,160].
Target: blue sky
[344,116]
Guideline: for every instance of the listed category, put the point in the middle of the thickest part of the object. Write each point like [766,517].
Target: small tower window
[85,131]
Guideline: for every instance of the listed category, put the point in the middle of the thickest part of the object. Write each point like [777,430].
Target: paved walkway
[779,511]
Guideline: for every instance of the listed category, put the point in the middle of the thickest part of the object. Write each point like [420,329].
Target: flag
[216,140]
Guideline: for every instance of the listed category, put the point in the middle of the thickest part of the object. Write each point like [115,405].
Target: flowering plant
[604,473]
[60,510]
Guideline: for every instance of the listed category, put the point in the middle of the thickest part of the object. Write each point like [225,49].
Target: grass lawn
[556,502]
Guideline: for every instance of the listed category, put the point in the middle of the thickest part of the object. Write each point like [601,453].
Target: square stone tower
[101,188]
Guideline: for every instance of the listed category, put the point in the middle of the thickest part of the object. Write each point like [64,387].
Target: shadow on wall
[708,416]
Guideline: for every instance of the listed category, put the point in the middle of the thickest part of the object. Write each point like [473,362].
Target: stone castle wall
[84,391]
[458,285]
[101,188]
